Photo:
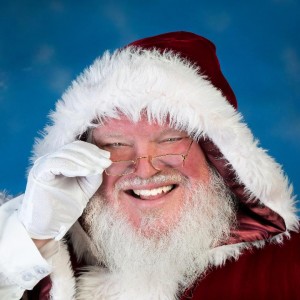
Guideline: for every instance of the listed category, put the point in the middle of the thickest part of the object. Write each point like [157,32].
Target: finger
[85,156]
[75,159]
[69,168]
[87,149]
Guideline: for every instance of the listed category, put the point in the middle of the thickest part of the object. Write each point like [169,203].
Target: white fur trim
[62,277]
[99,284]
[129,82]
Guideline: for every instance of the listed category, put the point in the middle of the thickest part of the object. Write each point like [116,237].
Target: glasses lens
[120,168]
[169,161]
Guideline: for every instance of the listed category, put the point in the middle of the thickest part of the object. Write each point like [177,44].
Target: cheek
[196,167]
[107,186]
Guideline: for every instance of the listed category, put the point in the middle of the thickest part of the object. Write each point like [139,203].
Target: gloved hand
[59,186]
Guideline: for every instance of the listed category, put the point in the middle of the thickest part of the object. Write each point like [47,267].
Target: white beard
[158,267]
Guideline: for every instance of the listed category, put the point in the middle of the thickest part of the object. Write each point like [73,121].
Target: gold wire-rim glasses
[133,163]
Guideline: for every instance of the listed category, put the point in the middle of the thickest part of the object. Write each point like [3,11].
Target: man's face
[161,221]
[148,193]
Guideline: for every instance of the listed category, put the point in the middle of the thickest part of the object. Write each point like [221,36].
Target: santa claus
[148,185]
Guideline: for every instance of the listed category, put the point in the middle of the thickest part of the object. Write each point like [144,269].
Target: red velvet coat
[272,272]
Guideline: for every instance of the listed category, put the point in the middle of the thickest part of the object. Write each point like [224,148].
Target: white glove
[59,186]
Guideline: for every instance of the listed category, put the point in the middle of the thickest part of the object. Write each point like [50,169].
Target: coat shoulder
[271,272]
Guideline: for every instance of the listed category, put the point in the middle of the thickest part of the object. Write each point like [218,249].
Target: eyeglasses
[160,162]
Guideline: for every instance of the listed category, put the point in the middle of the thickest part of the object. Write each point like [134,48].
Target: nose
[144,168]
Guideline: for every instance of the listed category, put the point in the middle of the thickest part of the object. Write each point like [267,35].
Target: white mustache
[156,179]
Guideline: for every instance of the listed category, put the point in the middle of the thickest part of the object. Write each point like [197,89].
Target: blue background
[45,44]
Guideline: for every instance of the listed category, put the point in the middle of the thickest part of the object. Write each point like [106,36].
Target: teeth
[153,192]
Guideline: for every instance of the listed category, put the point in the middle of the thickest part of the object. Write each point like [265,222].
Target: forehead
[126,127]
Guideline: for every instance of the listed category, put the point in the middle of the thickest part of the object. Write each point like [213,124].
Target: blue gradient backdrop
[45,44]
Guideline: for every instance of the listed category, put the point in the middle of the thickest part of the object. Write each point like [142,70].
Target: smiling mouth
[151,193]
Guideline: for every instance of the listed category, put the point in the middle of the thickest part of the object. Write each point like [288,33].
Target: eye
[173,139]
[115,145]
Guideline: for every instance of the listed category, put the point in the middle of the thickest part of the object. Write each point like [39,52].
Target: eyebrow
[170,130]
